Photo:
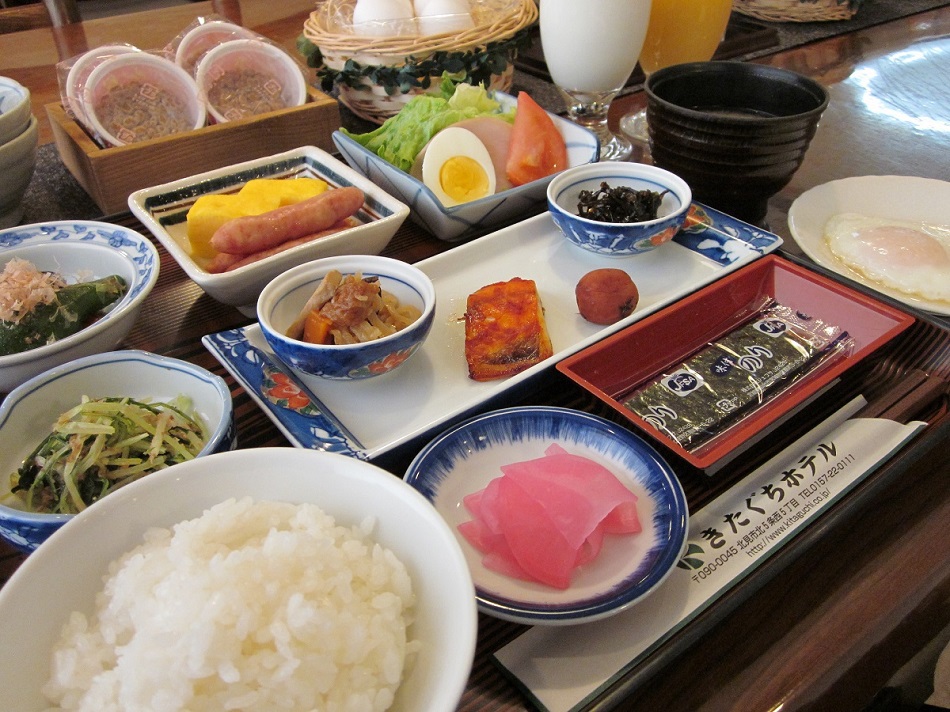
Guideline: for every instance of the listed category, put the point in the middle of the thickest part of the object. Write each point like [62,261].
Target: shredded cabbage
[402,136]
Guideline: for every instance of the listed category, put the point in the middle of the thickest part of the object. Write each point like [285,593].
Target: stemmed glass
[591,48]
[679,31]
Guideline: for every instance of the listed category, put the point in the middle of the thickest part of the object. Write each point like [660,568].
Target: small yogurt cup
[202,38]
[243,78]
[165,94]
[14,109]
[82,67]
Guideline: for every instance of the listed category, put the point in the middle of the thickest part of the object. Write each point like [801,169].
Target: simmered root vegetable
[100,445]
[351,309]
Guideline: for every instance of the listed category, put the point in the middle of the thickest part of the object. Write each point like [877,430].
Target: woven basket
[371,100]
[797,10]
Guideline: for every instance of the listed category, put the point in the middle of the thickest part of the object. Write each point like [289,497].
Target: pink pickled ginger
[543,518]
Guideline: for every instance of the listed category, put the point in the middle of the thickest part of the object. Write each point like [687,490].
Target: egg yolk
[463,179]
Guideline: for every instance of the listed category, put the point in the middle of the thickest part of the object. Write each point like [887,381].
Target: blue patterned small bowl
[28,413]
[285,296]
[465,458]
[618,239]
[80,250]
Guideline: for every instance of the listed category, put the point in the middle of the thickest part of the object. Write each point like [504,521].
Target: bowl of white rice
[259,579]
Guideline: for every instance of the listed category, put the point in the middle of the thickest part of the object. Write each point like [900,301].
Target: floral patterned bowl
[32,408]
[80,250]
[611,238]
[284,297]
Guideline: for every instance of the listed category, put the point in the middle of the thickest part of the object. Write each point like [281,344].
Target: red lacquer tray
[612,368]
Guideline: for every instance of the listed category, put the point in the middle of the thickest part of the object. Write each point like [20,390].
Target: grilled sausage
[255,233]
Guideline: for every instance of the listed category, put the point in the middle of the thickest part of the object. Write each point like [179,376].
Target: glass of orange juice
[679,31]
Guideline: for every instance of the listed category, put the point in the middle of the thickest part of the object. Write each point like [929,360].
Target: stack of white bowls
[18,141]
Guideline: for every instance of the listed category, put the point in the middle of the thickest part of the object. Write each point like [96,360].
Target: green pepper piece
[74,306]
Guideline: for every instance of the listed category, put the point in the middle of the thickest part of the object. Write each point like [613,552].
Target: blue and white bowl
[460,222]
[14,109]
[80,251]
[618,239]
[28,413]
[467,457]
[284,297]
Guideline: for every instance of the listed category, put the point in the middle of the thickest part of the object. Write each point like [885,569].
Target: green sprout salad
[101,445]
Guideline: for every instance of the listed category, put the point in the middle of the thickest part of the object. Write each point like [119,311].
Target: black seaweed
[619,205]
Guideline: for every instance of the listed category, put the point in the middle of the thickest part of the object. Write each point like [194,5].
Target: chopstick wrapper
[564,668]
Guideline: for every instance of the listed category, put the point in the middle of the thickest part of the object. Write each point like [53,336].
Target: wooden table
[868,584]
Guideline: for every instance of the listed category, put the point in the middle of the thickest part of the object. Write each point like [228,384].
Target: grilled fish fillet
[505,331]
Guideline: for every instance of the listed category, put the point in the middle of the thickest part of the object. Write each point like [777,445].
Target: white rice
[252,606]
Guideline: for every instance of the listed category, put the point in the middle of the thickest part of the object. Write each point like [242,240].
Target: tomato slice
[537,148]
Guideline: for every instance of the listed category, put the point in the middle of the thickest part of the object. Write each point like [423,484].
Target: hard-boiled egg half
[457,167]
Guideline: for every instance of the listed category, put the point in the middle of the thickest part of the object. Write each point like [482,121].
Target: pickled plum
[605,296]
[543,518]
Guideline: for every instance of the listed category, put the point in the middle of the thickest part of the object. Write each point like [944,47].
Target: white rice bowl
[289,589]
[263,605]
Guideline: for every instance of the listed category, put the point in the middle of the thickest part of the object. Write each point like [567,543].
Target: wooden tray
[110,175]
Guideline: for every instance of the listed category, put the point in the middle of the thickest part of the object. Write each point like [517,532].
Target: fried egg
[910,257]
[457,167]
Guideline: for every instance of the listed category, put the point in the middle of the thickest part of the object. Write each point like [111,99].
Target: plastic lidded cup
[203,38]
[82,67]
[242,78]
[139,96]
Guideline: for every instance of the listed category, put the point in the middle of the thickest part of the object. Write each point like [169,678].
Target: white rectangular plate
[432,389]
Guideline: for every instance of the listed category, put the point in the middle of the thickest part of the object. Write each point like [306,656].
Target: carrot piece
[316,328]
[537,148]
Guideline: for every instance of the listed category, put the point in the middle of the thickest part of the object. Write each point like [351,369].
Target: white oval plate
[896,197]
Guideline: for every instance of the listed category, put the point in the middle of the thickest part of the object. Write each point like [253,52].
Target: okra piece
[75,305]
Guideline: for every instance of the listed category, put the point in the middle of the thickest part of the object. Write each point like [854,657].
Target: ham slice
[543,518]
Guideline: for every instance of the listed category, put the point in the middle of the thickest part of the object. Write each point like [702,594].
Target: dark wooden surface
[868,584]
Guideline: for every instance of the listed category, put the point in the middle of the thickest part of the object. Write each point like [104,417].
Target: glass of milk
[591,47]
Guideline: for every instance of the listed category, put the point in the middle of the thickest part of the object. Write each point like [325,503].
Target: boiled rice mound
[252,606]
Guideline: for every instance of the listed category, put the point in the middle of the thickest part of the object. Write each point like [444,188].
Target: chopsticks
[909,399]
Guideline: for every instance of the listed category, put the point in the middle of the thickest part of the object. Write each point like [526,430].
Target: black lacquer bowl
[735,132]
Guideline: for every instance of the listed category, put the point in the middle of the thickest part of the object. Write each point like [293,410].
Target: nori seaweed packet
[728,378]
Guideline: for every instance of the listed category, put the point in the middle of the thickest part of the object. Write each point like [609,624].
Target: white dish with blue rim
[30,411]
[80,251]
[432,389]
[629,567]
[478,216]
[163,209]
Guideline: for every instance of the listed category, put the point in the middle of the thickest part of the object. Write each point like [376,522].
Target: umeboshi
[607,295]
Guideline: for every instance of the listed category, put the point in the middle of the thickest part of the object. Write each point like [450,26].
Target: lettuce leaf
[402,136]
